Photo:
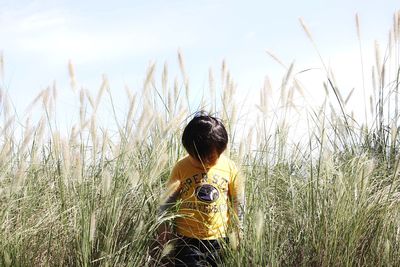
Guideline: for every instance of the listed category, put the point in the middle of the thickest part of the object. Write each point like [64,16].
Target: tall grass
[89,196]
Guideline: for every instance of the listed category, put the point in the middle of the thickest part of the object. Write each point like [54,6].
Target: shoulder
[182,163]
[227,163]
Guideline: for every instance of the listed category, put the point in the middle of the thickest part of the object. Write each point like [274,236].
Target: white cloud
[57,35]
[84,46]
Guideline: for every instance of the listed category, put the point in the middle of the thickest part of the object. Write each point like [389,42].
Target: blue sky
[120,38]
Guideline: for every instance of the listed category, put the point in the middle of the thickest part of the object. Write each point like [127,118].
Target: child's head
[205,138]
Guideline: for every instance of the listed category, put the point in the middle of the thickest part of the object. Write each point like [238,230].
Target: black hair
[203,135]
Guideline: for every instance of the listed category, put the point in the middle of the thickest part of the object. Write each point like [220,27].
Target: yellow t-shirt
[203,197]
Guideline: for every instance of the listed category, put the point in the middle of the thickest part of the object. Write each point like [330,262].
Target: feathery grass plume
[107,180]
[20,176]
[129,94]
[233,240]
[170,100]
[1,65]
[264,97]
[105,142]
[134,178]
[332,81]
[82,112]
[233,115]
[78,167]
[90,98]
[149,76]
[241,149]
[391,43]
[72,78]
[372,98]
[249,140]
[259,224]
[223,73]
[358,27]
[211,84]
[349,96]
[40,131]
[66,158]
[45,98]
[73,136]
[56,142]
[51,105]
[187,89]
[34,102]
[167,249]
[282,97]
[361,64]
[28,134]
[54,91]
[131,111]
[92,226]
[274,57]
[285,82]
[308,33]
[93,134]
[145,121]
[228,83]
[290,96]
[6,149]
[378,62]
[181,64]
[8,262]
[7,125]
[6,106]
[164,80]
[104,86]
[185,77]
[306,30]
[173,101]
[396,24]
[299,88]
[225,93]
[393,133]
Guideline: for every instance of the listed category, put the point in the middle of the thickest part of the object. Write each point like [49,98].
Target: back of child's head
[203,136]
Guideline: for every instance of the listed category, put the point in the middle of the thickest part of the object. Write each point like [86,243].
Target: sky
[119,38]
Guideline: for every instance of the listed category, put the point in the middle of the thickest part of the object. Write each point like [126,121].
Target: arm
[168,200]
[237,197]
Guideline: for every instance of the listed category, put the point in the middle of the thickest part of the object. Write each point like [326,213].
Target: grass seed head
[1,65]
[168,248]
[92,226]
[259,224]
[90,98]
[72,78]
[233,240]
[149,76]
[107,180]
[164,79]
[306,30]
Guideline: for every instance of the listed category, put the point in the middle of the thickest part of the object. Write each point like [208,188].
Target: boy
[204,188]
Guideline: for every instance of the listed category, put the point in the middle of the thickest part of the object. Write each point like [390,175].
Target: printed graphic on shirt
[207,193]
[197,179]
[205,208]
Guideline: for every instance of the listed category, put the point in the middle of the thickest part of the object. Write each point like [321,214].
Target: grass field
[89,197]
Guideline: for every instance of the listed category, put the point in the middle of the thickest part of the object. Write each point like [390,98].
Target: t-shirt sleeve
[237,194]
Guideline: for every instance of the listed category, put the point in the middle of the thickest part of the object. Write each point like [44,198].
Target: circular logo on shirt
[207,193]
